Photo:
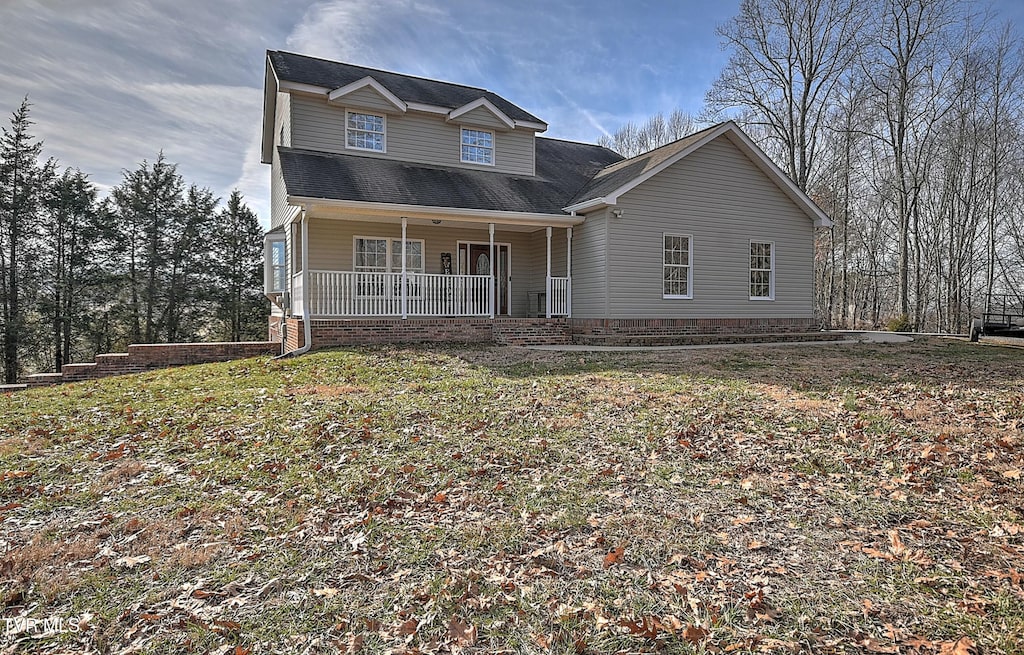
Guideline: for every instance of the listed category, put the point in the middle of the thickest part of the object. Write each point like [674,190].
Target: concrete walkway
[853,338]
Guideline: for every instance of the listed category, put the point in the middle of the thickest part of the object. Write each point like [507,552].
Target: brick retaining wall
[149,356]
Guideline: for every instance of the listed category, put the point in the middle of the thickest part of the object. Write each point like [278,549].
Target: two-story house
[409,209]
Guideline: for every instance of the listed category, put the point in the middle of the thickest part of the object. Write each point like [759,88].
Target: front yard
[821,499]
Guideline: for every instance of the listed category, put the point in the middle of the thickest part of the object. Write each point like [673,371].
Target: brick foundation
[149,356]
[328,333]
[689,326]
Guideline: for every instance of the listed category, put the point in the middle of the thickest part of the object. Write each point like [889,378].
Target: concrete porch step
[630,340]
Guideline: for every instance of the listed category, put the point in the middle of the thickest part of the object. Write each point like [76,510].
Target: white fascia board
[269,113]
[305,88]
[587,205]
[367,81]
[428,109]
[530,125]
[443,213]
[486,104]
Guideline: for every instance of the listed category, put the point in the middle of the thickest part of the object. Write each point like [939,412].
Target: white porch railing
[297,293]
[559,296]
[346,293]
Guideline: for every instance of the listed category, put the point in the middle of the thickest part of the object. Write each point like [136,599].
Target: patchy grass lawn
[818,499]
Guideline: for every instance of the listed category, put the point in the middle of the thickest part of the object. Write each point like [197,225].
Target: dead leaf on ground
[461,633]
[695,634]
[962,646]
[614,557]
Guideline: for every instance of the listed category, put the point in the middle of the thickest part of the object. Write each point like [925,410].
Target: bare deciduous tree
[786,59]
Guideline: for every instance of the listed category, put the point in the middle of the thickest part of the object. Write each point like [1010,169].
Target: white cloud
[117,81]
[254,181]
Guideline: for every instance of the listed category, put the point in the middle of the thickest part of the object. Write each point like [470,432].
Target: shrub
[899,323]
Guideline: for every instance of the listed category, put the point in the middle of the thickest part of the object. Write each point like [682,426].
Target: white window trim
[384,134]
[688,265]
[771,271]
[269,242]
[494,146]
[388,253]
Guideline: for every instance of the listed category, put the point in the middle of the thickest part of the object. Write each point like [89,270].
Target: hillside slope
[825,498]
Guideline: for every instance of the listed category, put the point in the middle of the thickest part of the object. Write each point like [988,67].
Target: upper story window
[477,146]
[678,261]
[365,131]
[762,270]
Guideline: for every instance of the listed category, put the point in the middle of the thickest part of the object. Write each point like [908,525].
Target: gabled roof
[562,168]
[287,70]
[331,75]
[616,179]
[487,105]
[367,82]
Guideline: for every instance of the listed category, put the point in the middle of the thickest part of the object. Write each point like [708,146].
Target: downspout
[307,329]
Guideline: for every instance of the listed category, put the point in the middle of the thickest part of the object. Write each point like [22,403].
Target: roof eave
[591,204]
[452,213]
[531,125]
[741,140]
[368,81]
[269,112]
[456,113]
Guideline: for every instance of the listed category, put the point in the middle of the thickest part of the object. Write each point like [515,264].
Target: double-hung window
[365,131]
[678,266]
[762,270]
[382,255]
[477,146]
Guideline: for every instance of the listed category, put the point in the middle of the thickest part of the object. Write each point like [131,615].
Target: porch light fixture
[436,221]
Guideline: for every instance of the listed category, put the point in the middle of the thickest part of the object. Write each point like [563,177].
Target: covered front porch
[335,261]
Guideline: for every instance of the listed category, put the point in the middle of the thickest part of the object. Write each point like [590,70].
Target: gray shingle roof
[302,69]
[563,167]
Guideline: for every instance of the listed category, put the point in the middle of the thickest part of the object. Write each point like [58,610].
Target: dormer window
[364,131]
[477,147]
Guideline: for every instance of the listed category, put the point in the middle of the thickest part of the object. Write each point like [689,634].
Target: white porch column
[547,292]
[405,299]
[490,288]
[568,272]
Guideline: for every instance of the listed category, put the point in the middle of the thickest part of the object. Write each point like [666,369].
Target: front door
[479,263]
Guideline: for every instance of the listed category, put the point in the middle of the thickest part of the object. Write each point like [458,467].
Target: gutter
[307,328]
[435,213]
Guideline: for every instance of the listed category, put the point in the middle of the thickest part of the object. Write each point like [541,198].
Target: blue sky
[114,82]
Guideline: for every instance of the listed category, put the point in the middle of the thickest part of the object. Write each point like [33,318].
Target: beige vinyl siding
[367,99]
[723,201]
[278,195]
[331,243]
[538,257]
[589,270]
[481,117]
[413,137]
[283,137]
